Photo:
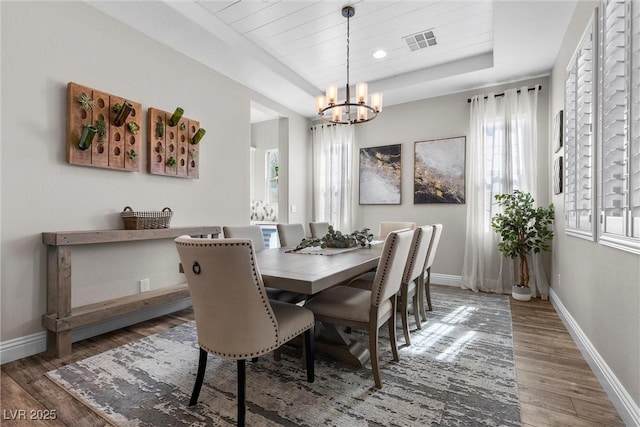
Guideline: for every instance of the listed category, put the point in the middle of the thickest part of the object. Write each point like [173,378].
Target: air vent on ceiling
[421,40]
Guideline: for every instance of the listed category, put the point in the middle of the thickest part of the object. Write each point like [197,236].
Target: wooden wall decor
[172,142]
[113,147]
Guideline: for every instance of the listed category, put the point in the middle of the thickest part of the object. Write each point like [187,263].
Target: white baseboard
[29,345]
[446,280]
[621,399]
[26,346]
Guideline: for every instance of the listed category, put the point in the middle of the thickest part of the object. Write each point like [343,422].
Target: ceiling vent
[421,40]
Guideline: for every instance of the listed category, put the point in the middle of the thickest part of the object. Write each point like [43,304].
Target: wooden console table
[61,319]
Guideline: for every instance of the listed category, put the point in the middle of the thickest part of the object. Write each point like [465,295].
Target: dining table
[313,270]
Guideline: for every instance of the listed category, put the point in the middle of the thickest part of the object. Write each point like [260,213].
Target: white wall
[598,285]
[44,46]
[441,117]
[298,172]
[264,136]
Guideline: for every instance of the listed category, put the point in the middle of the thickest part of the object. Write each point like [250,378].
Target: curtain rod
[538,87]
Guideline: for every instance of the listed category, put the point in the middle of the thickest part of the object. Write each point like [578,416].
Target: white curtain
[332,175]
[503,140]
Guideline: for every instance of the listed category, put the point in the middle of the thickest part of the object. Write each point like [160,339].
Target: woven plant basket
[146,220]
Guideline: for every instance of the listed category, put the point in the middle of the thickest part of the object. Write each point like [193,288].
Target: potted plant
[523,229]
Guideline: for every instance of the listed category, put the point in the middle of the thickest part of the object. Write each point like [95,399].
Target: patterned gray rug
[458,371]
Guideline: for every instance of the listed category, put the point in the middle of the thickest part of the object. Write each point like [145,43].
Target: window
[271,175]
[579,138]
[619,146]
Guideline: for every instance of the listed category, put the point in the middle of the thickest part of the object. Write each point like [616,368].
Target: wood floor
[555,384]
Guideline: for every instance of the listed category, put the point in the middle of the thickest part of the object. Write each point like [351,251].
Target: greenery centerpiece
[336,239]
[523,229]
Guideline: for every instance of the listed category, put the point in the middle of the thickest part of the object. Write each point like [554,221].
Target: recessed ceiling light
[379,54]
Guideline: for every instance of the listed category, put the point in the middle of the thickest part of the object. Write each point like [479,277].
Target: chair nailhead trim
[265,302]
[386,267]
[412,260]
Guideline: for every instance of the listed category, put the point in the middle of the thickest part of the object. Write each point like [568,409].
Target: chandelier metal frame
[352,117]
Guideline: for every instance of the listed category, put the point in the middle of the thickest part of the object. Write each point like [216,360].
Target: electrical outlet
[144,285]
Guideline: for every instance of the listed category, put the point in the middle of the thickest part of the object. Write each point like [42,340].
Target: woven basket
[146,220]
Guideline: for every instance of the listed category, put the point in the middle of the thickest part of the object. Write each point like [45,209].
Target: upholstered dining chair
[234,318]
[425,284]
[290,235]
[385,227]
[254,232]
[409,288]
[369,309]
[319,229]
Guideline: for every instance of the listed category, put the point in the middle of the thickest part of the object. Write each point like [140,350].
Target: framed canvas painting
[557,176]
[380,175]
[558,122]
[439,171]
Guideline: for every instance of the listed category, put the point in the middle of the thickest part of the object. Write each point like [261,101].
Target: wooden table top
[310,274]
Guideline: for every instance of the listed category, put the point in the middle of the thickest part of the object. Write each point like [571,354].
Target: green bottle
[87,137]
[198,136]
[175,118]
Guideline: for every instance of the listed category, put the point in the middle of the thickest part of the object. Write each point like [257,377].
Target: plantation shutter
[620,124]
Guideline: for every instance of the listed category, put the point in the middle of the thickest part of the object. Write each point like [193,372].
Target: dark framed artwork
[439,171]
[558,123]
[380,175]
[557,175]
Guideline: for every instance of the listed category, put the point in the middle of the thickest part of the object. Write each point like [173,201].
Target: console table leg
[59,343]
[59,297]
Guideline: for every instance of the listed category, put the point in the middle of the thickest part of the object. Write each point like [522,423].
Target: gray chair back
[253,232]
[418,254]
[391,266]
[290,235]
[234,318]
[319,229]
[385,227]
[435,240]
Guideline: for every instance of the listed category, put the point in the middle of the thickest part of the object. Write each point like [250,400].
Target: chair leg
[242,389]
[416,310]
[202,366]
[373,351]
[392,331]
[309,352]
[404,312]
[427,288]
[421,285]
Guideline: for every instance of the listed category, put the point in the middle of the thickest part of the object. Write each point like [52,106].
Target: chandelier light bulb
[362,113]
[320,103]
[332,94]
[376,101]
[336,114]
[361,93]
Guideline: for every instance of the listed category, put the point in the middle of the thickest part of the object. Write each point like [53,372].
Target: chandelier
[348,112]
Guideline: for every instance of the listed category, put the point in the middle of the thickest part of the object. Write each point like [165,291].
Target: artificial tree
[523,229]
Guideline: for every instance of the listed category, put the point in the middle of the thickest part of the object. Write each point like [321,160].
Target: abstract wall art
[380,175]
[439,171]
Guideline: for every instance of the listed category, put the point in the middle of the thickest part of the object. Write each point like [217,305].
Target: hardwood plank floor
[556,386]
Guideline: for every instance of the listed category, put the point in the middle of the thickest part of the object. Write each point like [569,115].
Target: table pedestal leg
[332,341]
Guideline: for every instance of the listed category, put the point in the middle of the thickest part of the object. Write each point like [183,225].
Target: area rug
[458,371]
